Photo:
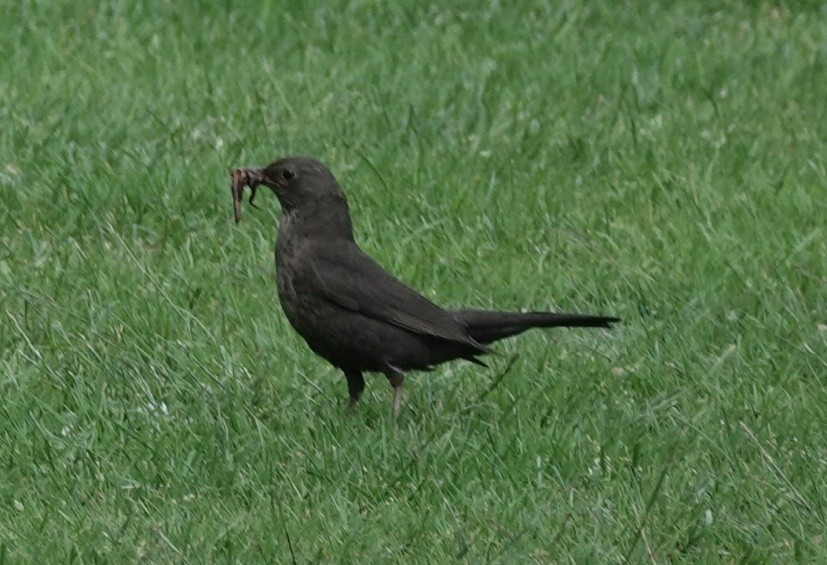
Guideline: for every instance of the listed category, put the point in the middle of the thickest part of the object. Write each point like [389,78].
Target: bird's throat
[323,220]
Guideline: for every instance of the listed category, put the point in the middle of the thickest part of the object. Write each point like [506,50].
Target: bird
[349,309]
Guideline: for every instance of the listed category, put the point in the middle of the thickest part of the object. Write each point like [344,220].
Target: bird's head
[303,185]
[298,182]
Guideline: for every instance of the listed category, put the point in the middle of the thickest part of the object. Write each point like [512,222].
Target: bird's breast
[288,266]
[291,277]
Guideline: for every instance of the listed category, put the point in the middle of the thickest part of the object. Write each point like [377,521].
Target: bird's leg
[397,379]
[355,386]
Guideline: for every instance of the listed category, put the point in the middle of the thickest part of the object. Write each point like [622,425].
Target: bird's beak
[245,176]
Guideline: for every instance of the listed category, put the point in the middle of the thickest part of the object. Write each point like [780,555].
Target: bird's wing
[349,278]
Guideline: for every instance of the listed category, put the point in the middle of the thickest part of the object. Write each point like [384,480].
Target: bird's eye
[287,174]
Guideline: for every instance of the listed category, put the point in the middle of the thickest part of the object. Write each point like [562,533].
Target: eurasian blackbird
[350,310]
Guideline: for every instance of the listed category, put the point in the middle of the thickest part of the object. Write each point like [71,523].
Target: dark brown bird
[349,309]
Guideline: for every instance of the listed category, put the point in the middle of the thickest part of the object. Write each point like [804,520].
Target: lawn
[663,163]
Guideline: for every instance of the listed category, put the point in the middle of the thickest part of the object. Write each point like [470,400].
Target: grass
[666,164]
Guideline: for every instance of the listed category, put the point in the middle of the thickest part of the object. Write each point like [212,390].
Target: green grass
[667,164]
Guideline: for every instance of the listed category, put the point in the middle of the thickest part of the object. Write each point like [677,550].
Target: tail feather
[487,326]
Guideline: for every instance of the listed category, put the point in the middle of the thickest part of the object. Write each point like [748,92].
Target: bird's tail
[486,326]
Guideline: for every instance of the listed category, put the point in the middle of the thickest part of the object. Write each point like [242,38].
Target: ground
[663,163]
